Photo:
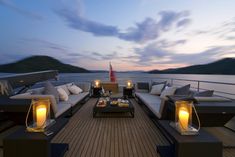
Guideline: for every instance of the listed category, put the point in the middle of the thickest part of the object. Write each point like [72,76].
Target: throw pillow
[143,85]
[74,89]
[183,90]
[62,94]
[65,88]
[49,89]
[207,93]
[167,92]
[156,83]
[157,89]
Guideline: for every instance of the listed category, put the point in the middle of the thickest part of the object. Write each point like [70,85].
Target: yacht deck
[113,137]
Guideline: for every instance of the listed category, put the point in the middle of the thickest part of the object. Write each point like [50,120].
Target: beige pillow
[157,89]
[168,91]
[74,89]
[62,94]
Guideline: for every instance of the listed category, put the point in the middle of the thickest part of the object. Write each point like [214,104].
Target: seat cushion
[157,89]
[184,90]
[153,102]
[62,94]
[206,93]
[62,106]
[167,92]
[65,88]
[156,83]
[74,99]
[74,89]
[51,90]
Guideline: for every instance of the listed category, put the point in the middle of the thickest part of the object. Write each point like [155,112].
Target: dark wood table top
[113,108]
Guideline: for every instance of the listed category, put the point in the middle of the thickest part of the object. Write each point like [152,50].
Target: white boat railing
[224,89]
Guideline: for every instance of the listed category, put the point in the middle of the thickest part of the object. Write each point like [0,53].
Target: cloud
[168,18]
[72,13]
[222,31]
[78,22]
[184,22]
[148,29]
[75,54]
[159,53]
[100,56]
[151,29]
[9,4]
[232,38]
[47,44]
[169,44]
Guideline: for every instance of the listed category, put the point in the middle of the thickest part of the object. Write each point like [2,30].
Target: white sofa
[62,107]
[155,103]
[158,105]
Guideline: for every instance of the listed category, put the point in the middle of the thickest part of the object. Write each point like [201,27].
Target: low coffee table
[109,108]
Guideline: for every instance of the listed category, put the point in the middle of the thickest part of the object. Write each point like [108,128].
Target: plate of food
[101,103]
[114,103]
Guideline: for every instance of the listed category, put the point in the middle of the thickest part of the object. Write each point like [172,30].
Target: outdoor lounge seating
[155,103]
[213,110]
[61,108]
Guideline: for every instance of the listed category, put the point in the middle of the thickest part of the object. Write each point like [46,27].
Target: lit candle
[128,84]
[97,83]
[41,112]
[183,118]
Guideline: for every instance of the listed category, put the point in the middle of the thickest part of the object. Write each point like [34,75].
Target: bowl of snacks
[102,103]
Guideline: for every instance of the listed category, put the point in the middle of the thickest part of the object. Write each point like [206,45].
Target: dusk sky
[132,34]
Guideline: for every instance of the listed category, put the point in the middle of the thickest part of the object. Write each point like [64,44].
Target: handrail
[197,82]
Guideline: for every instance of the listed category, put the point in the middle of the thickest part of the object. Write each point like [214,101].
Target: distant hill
[224,66]
[99,71]
[40,63]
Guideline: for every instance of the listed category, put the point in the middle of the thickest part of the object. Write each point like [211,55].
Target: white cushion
[157,89]
[168,91]
[74,89]
[62,94]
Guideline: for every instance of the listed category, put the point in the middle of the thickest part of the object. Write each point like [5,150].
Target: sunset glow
[133,35]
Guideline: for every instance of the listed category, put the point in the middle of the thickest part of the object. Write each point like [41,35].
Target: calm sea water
[137,77]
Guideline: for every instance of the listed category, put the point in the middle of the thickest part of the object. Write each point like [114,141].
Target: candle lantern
[129,84]
[183,117]
[97,83]
[40,108]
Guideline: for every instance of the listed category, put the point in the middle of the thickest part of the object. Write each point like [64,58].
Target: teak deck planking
[113,136]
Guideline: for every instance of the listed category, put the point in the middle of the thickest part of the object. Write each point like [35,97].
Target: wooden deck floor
[113,137]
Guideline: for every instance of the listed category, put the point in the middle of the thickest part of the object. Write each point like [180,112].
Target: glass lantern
[183,118]
[97,83]
[40,108]
[129,84]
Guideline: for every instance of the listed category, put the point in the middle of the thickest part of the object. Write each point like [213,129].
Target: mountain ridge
[223,66]
[40,63]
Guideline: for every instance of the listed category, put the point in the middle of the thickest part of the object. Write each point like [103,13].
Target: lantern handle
[27,116]
[199,123]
